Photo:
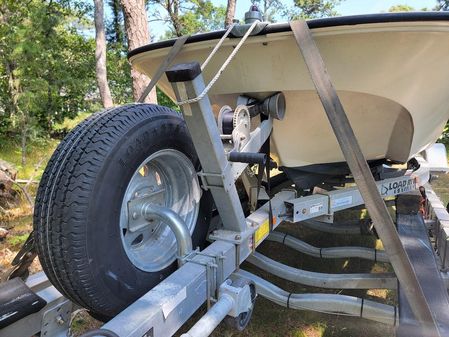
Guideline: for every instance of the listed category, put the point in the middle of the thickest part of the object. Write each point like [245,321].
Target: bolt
[135,215]
[136,194]
[237,237]
[151,188]
[60,320]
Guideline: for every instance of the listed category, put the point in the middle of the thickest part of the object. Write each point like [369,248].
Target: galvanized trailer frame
[213,275]
[163,310]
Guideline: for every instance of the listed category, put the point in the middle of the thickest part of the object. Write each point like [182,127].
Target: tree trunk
[172,7]
[230,12]
[21,115]
[116,21]
[24,143]
[100,56]
[137,34]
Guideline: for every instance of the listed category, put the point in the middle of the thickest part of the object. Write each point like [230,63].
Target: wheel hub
[166,178]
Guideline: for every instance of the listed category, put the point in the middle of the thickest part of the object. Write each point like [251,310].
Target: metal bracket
[205,183]
[56,320]
[212,278]
[241,296]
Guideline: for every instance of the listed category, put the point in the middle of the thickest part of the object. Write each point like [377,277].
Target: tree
[442,5]
[115,31]
[46,67]
[188,16]
[310,9]
[100,56]
[230,12]
[137,35]
[270,8]
[401,8]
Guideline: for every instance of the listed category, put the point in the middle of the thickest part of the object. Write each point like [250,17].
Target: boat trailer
[213,275]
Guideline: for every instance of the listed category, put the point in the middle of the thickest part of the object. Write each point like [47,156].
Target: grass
[37,154]
[440,187]
[38,151]
[16,241]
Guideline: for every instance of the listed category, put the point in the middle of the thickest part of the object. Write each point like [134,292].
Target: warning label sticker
[262,232]
[315,208]
[343,201]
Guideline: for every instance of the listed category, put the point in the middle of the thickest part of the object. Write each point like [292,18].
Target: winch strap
[174,51]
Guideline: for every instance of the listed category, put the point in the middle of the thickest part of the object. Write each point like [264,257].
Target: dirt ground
[269,319]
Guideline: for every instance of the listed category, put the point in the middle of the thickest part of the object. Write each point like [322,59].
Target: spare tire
[81,213]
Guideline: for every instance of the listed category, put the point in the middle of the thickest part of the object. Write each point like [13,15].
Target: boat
[391,72]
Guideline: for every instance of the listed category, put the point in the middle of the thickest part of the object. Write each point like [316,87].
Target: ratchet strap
[266,167]
[174,51]
[22,261]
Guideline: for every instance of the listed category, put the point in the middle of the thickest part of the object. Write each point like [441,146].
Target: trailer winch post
[363,177]
[216,174]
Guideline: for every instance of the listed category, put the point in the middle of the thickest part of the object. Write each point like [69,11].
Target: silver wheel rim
[167,178]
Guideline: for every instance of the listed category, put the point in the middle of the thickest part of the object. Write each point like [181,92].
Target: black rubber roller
[248,157]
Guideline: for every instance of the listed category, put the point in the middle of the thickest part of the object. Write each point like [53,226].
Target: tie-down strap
[362,175]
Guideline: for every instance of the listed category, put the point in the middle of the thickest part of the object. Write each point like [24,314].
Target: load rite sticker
[398,187]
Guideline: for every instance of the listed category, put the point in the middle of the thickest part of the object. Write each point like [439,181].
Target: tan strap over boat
[363,177]
[174,51]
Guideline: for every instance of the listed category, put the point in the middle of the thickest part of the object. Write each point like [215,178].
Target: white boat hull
[392,78]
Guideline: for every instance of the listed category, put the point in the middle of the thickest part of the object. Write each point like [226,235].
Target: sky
[346,7]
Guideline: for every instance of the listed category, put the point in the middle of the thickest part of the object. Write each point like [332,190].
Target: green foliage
[271,9]
[69,123]
[442,5]
[17,240]
[163,99]
[115,27]
[187,16]
[119,78]
[401,8]
[444,138]
[39,151]
[311,9]
[47,66]
[202,16]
